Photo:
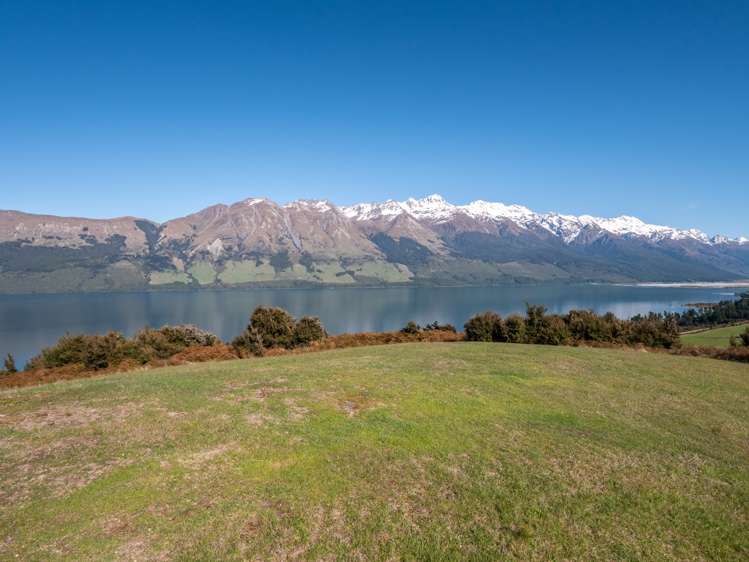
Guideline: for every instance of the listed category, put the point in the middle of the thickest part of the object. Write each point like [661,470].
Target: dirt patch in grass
[258,419]
[354,404]
[139,550]
[201,458]
[262,393]
[55,481]
[67,415]
[19,451]
[295,412]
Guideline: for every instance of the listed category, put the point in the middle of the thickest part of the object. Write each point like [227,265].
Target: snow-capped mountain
[436,209]
[428,240]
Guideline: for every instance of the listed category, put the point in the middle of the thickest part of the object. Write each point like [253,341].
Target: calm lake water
[30,322]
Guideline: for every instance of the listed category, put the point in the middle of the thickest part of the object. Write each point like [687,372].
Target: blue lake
[30,322]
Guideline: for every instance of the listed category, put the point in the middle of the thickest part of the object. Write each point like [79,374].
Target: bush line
[273,331]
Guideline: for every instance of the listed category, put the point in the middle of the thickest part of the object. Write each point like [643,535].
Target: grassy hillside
[417,451]
[719,337]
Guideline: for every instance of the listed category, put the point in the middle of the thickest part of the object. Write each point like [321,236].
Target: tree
[10,364]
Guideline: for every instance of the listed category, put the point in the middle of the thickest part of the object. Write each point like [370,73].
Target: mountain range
[307,242]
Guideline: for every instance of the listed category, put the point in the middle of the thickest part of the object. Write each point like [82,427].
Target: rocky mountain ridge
[429,240]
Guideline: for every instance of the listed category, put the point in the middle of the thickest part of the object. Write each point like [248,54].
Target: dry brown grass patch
[200,458]
[71,415]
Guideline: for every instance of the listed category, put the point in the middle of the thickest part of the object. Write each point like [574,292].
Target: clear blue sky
[158,108]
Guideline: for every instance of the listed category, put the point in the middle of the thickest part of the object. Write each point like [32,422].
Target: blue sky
[158,109]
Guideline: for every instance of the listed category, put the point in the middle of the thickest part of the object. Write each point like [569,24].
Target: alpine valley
[427,241]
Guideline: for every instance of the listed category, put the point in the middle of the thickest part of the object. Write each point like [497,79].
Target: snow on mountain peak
[254,201]
[495,211]
[568,227]
[319,205]
[431,207]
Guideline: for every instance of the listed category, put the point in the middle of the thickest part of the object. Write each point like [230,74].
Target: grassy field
[719,337]
[416,451]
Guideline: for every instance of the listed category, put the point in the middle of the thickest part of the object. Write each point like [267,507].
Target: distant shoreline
[698,285]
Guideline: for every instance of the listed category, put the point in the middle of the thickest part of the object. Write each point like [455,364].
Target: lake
[30,322]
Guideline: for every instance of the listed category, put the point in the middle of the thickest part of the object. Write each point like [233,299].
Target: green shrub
[534,319]
[307,330]
[552,330]
[654,330]
[188,335]
[741,340]
[274,325]
[271,327]
[411,327]
[152,344]
[105,351]
[437,327]
[101,352]
[586,325]
[515,328]
[482,326]
[544,329]
[249,342]
[92,352]
[499,331]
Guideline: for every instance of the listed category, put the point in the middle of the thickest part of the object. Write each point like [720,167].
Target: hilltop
[408,451]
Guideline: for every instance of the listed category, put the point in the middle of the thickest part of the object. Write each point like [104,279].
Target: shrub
[10,364]
[68,350]
[307,330]
[92,352]
[149,344]
[515,328]
[188,335]
[101,352]
[534,315]
[275,328]
[152,344]
[411,327]
[249,342]
[499,331]
[741,340]
[482,326]
[274,325]
[552,330]
[654,330]
[437,327]
[740,353]
[586,325]
[200,354]
[104,351]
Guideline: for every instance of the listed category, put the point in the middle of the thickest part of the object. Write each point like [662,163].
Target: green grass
[417,452]
[168,277]
[203,272]
[719,337]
